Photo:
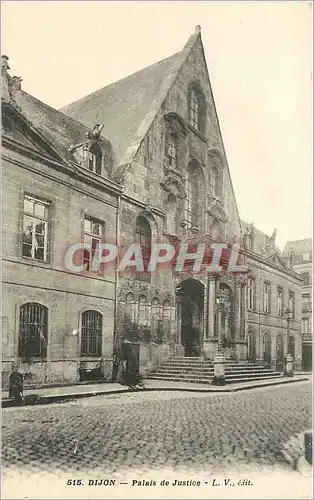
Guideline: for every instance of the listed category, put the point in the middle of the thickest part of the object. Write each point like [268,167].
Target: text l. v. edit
[228,482]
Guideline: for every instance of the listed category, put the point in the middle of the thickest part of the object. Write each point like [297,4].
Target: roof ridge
[120,80]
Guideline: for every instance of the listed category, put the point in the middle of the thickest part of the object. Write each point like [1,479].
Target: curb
[42,400]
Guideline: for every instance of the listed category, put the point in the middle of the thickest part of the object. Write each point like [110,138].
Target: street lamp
[219,359]
[289,360]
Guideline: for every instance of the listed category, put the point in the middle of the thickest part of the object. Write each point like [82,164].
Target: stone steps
[198,370]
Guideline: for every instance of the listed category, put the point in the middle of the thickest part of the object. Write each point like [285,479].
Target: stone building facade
[298,255]
[141,160]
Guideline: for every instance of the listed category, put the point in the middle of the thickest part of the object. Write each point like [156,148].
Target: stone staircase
[199,371]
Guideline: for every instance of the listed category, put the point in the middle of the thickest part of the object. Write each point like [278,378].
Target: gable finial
[197,29]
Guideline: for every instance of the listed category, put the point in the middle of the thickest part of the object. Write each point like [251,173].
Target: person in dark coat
[16,385]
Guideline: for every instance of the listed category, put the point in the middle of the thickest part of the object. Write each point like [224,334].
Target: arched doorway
[266,348]
[280,358]
[190,298]
[251,347]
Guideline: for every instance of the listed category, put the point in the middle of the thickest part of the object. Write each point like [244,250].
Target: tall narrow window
[291,346]
[33,331]
[143,238]
[279,301]
[91,333]
[142,311]
[130,307]
[266,297]
[93,235]
[172,150]
[35,228]
[94,158]
[291,303]
[197,108]
[194,109]
[194,194]
[251,294]
[306,278]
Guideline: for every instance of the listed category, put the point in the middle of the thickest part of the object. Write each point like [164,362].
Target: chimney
[9,84]
[5,79]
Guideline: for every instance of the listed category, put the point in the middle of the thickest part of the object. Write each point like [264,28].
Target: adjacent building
[141,160]
[298,255]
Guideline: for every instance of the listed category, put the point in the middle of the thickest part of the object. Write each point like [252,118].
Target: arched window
[144,239]
[197,108]
[91,333]
[172,213]
[130,307]
[194,193]
[172,150]
[33,331]
[142,311]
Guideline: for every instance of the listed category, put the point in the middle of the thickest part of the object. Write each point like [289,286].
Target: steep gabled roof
[127,107]
[60,130]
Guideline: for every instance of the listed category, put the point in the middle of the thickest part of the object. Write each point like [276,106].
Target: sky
[259,56]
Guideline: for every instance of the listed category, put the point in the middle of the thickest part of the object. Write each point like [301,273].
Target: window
[172,150]
[35,228]
[307,325]
[91,333]
[194,109]
[33,331]
[197,108]
[143,238]
[251,242]
[93,235]
[306,256]
[194,195]
[266,297]
[94,156]
[306,278]
[142,311]
[251,293]
[279,301]
[130,307]
[291,303]
[155,321]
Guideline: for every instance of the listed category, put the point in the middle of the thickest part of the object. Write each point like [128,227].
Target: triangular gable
[128,107]
[276,259]
[20,131]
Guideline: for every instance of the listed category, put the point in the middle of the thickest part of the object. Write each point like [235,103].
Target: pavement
[156,435]
[64,393]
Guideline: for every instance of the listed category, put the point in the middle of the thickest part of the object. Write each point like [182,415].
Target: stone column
[237,319]
[178,319]
[211,307]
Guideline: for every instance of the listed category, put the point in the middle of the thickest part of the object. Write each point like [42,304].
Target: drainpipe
[116,290]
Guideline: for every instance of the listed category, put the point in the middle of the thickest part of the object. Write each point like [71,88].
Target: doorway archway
[190,298]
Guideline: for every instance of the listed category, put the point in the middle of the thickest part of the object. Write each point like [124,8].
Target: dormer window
[172,150]
[197,108]
[91,153]
[94,159]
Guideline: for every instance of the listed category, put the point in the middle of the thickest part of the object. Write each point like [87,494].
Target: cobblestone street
[157,430]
